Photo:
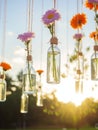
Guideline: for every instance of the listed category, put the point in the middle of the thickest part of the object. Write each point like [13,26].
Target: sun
[66,92]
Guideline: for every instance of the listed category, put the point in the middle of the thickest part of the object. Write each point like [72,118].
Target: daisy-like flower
[50,16]
[94,35]
[5,66]
[78,36]
[91,4]
[26,37]
[93,1]
[78,21]
[39,71]
[49,19]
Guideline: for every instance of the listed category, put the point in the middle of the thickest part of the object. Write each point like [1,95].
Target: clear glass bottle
[24,103]
[2,86]
[39,101]
[79,85]
[94,64]
[29,74]
[53,62]
[39,96]
[79,73]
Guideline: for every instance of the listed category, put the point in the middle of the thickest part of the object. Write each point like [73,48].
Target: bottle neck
[2,75]
[95,48]
[53,45]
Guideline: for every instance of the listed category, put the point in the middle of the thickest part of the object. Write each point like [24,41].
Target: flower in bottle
[5,66]
[91,4]
[49,19]
[53,58]
[29,77]
[78,21]
[93,1]
[25,37]
[78,36]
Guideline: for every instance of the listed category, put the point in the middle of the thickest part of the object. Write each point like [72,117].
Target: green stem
[29,72]
[54,65]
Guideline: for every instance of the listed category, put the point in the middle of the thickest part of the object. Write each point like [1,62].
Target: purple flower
[27,36]
[78,36]
[50,16]
[93,1]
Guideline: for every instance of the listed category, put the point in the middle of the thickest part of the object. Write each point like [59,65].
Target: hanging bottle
[24,103]
[2,86]
[39,101]
[53,62]
[39,96]
[94,64]
[79,73]
[29,74]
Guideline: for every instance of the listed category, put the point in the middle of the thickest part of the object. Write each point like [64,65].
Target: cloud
[18,60]
[10,33]
[19,51]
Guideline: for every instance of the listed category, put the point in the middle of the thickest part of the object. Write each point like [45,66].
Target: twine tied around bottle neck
[29,58]
[96,48]
[54,40]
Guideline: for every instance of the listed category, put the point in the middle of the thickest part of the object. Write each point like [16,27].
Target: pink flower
[25,37]
[50,16]
[78,36]
[93,1]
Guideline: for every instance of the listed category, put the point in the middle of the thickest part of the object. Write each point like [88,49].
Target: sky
[16,23]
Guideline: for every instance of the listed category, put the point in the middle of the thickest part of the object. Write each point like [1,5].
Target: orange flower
[91,6]
[5,66]
[78,21]
[94,35]
[39,71]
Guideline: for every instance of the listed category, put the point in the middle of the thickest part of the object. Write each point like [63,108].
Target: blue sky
[16,24]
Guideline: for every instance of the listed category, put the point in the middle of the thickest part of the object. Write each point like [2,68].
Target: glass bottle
[79,73]
[53,62]
[24,103]
[94,64]
[2,86]
[39,101]
[39,96]
[29,74]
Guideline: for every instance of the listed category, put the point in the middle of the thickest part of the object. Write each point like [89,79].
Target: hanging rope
[30,15]
[67,34]
[54,6]
[4,30]
[81,5]
[77,12]
[0,9]
[41,37]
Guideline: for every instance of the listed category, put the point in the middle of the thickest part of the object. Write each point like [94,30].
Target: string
[4,30]
[54,6]
[30,15]
[41,37]
[67,34]
[32,10]
[0,9]
[77,12]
